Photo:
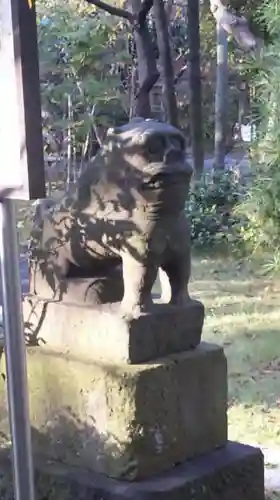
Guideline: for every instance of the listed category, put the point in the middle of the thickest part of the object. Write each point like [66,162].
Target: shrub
[262,205]
[259,207]
[210,209]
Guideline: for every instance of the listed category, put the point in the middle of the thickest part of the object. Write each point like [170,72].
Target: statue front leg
[175,271]
[174,279]
[138,278]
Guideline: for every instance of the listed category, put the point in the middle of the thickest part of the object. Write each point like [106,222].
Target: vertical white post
[15,355]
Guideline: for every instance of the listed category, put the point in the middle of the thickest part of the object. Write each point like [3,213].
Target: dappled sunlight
[243,315]
[248,288]
[254,424]
[117,224]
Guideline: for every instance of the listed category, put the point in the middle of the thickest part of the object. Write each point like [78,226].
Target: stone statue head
[148,156]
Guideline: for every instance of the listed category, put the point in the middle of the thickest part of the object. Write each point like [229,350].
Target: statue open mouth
[164,180]
[165,194]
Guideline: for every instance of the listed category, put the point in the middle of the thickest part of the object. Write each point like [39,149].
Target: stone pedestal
[102,334]
[127,421]
[133,409]
[234,472]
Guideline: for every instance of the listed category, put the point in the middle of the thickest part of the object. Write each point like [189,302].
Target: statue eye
[177,143]
[155,148]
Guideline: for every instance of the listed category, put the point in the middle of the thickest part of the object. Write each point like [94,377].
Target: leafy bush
[262,205]
[210,209]
[258,207]
[78,71]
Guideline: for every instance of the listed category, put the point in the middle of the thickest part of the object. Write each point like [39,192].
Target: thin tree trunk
[166,65]
[69,142]
[133,91]
[221,98]
[234,25]
[195,87]
[85,149]
[241,107]
[146,61]
[147,67]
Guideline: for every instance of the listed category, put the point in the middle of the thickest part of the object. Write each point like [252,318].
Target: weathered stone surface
[125,211]
[126,421]
[92,291]
[235,472]
[103,334]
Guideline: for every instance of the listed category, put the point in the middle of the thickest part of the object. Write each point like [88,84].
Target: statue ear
[112,131]
[104,116]
[111,140]
[110,137]
[105,134]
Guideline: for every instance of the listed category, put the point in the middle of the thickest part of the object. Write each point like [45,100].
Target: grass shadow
[243,315]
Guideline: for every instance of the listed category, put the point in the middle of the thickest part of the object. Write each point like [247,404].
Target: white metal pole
[15,355]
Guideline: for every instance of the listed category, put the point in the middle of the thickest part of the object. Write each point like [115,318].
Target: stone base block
[235,472]
[127,421]
[102,334]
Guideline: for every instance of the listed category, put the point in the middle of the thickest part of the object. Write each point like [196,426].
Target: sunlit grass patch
[243,315]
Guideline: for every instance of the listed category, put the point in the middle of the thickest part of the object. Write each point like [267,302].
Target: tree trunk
[221,98]
[166,64]
[69,141]
[234,25]
[133,91]
[146,61]
[195,87]
[147,67]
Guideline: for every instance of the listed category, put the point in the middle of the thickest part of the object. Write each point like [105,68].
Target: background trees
[102,63]
[79,72]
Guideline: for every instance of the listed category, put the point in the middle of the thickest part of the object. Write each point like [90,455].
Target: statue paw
[131,310]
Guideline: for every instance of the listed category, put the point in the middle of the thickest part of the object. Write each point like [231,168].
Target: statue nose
[174,155]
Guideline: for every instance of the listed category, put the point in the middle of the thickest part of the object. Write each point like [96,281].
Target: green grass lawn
[243,315]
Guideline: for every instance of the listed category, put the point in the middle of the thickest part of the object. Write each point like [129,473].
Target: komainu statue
[122,223]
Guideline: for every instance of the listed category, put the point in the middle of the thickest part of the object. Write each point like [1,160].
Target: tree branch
[145,8]
[234,25]
[180,73]
[111,9]
[147,66]
[148,72]
[165,58]
[136,19]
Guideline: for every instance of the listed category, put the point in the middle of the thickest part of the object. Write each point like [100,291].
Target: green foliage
[262,205]
[238,67]
[210,209]
[77,50]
